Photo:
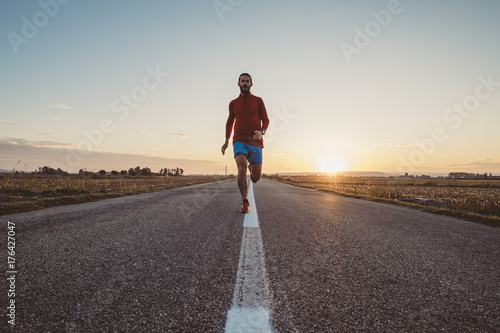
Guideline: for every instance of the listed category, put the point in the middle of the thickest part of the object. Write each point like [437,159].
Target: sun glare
[332,164]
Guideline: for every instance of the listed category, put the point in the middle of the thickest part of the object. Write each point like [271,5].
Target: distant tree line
[171,172]
[137,171]
[50,171]
[467,175]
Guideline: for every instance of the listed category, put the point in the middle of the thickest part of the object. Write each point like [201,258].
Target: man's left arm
[263,115]
[264,121]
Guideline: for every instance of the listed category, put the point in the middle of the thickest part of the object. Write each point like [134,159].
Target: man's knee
[242,169]
[241,163]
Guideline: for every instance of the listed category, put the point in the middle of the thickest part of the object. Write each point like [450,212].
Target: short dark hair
[244,74]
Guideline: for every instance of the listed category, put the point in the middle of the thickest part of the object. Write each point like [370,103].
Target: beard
[244,89]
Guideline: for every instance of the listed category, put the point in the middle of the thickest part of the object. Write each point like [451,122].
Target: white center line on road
[251,218]
[252,299]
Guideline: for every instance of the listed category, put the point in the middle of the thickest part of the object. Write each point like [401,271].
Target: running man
[251,124]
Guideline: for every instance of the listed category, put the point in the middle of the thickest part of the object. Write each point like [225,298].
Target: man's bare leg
[241,163]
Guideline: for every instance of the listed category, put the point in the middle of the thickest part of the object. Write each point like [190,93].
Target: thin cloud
[399,145]
[54,132]
[45,133]
[7,123]
[483,162]
[144,133]
[59,130]
[181,135]
[55,154]
[58,106]
[406,144]
[37,144]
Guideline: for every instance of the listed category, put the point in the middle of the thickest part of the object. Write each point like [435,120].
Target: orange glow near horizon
[332,164]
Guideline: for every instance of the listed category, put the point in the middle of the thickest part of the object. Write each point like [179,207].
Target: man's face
[245,83]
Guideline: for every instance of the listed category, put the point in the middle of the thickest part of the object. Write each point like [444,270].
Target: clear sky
[391,86]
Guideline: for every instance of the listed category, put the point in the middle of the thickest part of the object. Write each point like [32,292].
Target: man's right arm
[224,146]
[229,128]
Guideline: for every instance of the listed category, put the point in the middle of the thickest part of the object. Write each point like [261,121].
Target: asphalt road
[168,262]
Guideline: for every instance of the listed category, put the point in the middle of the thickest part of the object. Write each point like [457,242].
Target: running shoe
[245,207]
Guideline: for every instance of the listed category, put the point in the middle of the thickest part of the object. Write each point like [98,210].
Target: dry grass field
[477,200]
[26,192]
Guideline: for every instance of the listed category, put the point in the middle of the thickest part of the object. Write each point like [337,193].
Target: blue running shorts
[253,154]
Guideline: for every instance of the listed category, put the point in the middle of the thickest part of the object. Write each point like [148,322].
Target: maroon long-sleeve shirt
[250,115]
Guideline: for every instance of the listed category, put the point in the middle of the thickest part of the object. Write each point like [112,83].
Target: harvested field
[23,192]
[469,198]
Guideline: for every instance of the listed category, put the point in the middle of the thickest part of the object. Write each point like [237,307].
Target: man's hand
[257,135]
[224,147]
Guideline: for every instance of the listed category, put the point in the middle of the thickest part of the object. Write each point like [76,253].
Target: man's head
[245,82]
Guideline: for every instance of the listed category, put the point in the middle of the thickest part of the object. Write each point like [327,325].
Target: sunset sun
[332,164]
